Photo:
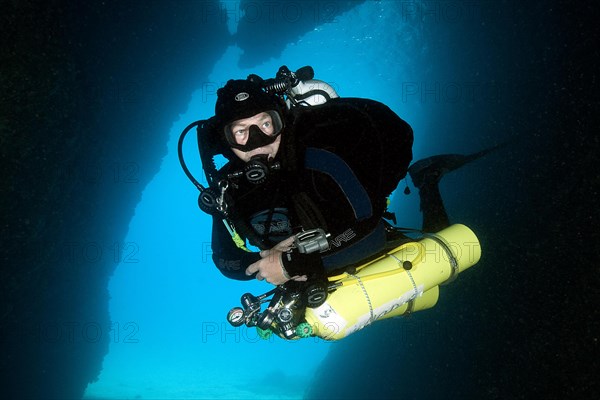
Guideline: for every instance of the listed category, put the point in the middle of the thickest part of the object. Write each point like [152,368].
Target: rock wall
[523,323]
[89,92]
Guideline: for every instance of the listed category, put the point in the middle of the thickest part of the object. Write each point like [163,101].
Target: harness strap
[307,211]
[332,165]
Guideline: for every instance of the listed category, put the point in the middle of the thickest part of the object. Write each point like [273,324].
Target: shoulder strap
[332,165]
[307,212]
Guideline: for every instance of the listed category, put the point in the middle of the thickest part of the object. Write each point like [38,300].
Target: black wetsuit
[339,162]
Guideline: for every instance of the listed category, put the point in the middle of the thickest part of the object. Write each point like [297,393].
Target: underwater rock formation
[89,93]
[267,26]
[524,322]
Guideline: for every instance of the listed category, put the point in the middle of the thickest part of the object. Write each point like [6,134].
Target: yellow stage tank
[404,280]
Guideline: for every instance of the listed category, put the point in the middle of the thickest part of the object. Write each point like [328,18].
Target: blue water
[168,302]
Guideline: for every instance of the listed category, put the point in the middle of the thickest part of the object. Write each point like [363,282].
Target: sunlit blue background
[169,302]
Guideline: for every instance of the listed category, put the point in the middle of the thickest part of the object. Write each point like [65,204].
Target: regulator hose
[180,154]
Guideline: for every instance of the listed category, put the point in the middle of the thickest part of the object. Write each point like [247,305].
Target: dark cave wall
[523,323]
[89,93]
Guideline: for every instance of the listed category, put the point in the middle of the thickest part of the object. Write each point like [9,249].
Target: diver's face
[241,132]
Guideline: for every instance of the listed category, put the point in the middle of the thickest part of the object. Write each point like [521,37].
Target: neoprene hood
[242,99]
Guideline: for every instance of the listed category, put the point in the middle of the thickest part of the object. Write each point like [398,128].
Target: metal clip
[221,205]
[311,241]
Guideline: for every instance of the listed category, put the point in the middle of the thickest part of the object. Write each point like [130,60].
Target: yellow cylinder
[404,280]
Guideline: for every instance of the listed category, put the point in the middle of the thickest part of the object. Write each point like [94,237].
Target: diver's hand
[270,266]
[281,247]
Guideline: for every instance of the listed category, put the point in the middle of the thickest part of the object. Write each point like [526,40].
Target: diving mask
[257,131]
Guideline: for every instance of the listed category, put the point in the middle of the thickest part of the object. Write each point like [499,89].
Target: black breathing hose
[180,154]
[286,80]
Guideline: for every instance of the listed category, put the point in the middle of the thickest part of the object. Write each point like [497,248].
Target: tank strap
[451,258]
[443,245]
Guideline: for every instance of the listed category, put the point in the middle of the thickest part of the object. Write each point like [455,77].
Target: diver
[309,185]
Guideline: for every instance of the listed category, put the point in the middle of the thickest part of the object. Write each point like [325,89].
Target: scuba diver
[328,168]
[323,171]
